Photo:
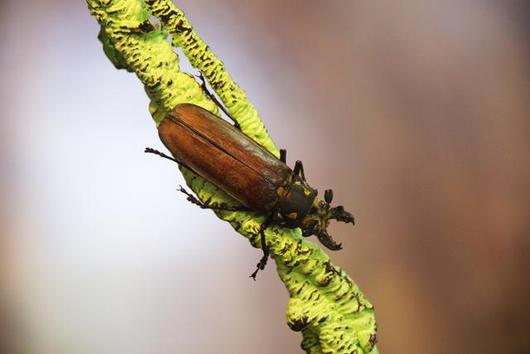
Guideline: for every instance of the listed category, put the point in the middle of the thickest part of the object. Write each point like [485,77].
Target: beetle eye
[328,196]
[308,232]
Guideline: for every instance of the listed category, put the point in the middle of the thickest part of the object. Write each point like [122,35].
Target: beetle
[219,152]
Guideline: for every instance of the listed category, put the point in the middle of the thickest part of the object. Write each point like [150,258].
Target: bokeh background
[416,113]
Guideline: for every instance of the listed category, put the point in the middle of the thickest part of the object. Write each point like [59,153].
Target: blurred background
[416,113]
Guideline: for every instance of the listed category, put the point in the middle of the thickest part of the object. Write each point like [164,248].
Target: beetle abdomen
[222,154]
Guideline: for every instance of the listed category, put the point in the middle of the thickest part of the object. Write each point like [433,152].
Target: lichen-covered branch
[325,304]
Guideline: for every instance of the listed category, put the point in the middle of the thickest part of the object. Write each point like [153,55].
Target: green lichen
[325,304]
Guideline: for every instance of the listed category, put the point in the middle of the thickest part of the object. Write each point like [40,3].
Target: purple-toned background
[416,113]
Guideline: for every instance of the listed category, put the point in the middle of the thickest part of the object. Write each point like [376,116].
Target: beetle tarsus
[261,265]
[283,155]
[253,275]
[263,261]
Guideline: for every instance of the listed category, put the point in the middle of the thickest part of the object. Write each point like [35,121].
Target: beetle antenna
[191,198]
[149,150]
[161,154]
[205,205]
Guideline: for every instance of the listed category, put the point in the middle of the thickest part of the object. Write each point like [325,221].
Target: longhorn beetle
[218,151]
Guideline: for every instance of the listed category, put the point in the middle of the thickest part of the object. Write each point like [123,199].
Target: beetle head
[317,220]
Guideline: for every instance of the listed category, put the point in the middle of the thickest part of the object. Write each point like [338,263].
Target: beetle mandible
[219,152]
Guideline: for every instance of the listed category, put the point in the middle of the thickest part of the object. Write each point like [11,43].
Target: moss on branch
[325,305]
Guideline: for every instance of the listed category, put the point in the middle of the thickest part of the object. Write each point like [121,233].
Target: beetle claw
[260,266]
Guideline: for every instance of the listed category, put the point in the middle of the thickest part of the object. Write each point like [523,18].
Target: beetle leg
[263,261]
[327,241]
[223,207]
[283,155]
[214,98]
[299,169]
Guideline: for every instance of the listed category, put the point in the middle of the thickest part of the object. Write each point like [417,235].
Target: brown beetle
[222,154]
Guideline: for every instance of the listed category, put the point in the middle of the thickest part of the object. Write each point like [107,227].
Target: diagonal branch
[325,305]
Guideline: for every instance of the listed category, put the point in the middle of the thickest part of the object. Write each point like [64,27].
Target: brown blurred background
[416,113]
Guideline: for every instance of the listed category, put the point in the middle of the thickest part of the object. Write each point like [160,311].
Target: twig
[325,304]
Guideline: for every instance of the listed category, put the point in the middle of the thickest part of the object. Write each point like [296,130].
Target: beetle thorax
[295,199]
